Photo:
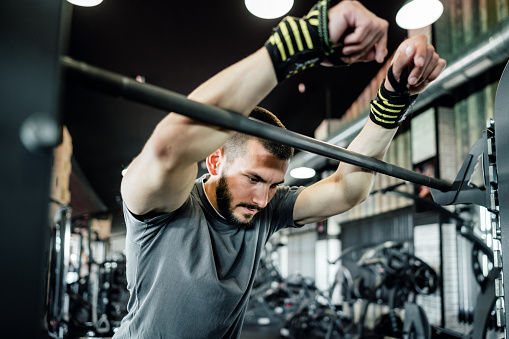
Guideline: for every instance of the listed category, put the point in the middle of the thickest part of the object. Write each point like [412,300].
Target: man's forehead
[257,151]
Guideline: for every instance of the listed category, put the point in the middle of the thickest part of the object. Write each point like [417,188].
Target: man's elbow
[355,200]
[357,194]
[361,199]
[163,152]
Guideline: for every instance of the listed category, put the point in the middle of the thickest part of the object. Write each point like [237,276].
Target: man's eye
[253,180]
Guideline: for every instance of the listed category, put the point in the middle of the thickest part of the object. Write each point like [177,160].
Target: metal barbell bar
[127,88]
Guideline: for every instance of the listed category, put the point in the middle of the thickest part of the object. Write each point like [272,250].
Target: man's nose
[261,196]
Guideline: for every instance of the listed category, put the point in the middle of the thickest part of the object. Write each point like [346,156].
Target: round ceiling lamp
[419,13]
[85,3]
[302,173]
[269,9]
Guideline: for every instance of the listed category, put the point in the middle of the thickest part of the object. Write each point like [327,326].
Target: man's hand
[362,34]
[422,61]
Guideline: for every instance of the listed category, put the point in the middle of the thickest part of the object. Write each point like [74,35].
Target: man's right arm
[161,178]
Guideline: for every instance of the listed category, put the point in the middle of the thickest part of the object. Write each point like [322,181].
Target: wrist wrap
[388,108]
[300,43]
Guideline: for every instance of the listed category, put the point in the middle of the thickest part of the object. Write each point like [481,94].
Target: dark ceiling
[178,45]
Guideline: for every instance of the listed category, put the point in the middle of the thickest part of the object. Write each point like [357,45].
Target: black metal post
[30,37]
[501,201]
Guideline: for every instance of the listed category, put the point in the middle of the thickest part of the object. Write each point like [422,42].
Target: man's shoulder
[286,193]
[285,189]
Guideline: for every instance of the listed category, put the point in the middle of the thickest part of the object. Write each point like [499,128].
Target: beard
[224,200]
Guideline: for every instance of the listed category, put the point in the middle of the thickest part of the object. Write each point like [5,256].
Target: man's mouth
[250,209]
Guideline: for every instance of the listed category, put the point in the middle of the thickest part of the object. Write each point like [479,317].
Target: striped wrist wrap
[389,109]
[300,43]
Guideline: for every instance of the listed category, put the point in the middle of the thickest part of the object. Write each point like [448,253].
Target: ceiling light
[269,9]
[419,13]
[302,173]
[85,3]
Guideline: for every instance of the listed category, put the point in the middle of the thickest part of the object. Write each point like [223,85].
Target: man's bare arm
[161,177]
[350,184]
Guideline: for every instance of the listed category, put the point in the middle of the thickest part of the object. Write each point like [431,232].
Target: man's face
[247,183]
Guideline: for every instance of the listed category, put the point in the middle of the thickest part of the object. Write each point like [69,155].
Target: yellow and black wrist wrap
[300,43]
[389,109]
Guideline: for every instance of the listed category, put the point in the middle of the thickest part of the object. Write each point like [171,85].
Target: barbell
[115,84]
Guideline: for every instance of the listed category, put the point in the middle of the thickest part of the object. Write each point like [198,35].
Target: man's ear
[214,161]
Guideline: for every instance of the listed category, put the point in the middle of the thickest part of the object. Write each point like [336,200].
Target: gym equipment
[401,276]
[115,84]
[397,277]
[294,304]
[86,294]
[499,185]
[57,309]
[486,299]
[314,316]
[269,300]
[484,180]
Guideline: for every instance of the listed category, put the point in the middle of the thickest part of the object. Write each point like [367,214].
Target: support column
[29,92]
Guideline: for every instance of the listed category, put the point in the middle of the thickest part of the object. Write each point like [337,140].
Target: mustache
[253,207]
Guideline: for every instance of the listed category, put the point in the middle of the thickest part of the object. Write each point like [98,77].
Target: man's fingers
[360,47]
[435,71]
[438,69]
[422,61]
[381,49]
[402,59]
[415,54]
[369,31]
[366,38]
[433,76]
[368,50]
[430,66]
[423,55]
[357,36]
[369,56]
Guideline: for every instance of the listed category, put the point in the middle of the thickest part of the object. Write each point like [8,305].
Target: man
[193,246]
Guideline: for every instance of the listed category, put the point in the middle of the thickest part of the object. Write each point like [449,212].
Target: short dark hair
[235,145]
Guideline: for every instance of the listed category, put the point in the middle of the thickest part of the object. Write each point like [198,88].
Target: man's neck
[210,192]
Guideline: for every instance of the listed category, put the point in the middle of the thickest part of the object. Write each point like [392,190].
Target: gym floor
[260,331]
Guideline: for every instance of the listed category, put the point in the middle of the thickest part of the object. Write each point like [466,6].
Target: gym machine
[86,294]
[482,318]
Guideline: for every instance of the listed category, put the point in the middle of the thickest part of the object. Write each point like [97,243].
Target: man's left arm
[350,185]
